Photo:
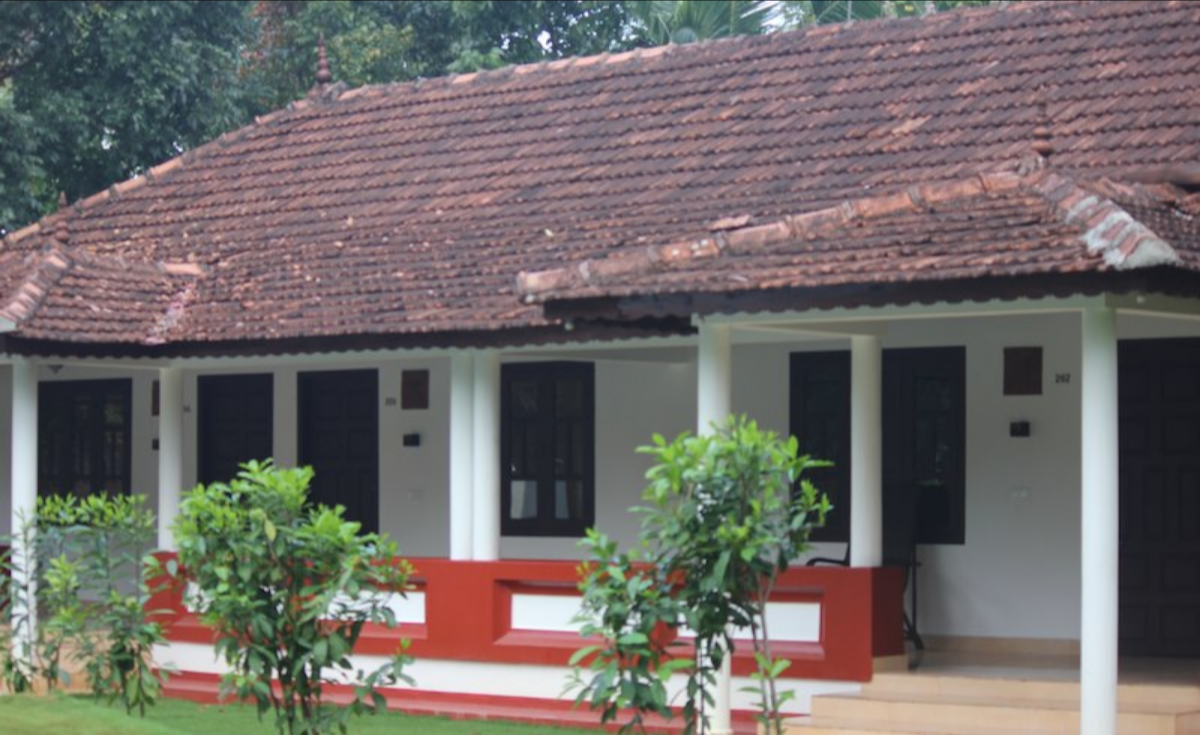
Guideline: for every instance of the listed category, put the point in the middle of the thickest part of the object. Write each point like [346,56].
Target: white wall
[413,481]
[1017,575]
[634,400]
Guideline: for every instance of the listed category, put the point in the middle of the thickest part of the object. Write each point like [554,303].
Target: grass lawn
[24,715]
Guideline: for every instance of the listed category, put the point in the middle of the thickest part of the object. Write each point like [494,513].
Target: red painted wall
[468,617]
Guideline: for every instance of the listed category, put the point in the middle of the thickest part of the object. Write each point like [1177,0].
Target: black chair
[899,550]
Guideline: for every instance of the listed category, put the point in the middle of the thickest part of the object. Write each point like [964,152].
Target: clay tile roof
[409,209]
[1001,224]
[71,296]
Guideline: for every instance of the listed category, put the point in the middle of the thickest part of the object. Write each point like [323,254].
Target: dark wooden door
[1160,497]
[84,429]
[339,438]
[236,419]
[820,419]
[924,442]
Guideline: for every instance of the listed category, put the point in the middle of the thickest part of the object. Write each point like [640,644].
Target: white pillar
[1100,513]
[486,453]
[462,388]
[23,485]
[714,403]
[866,451]
[170,452]
[714,378]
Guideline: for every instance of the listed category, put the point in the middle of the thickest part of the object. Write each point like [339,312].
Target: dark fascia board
[584,331]
[600,319]
[1167,281]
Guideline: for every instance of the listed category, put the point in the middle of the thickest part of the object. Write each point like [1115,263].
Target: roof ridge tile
[46,269]
[1110,231]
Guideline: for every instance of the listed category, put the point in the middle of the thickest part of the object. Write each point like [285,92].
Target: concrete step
[905,713]
[958,685]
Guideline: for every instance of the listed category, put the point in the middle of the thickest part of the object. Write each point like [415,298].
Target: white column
[866,451]
[23,484]
[462,388]
[170,452]
[714,378]
[714,403]
[486,452]
[1100,513]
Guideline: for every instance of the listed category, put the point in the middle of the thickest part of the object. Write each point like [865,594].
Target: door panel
[924,441]
[1159,399]
[236,419]
[820,419]
[339,438]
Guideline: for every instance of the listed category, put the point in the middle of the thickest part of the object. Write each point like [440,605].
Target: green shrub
[725,515]
[91,567]
[288,588]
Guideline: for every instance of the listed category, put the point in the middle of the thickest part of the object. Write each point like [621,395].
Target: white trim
[813,320]
[1155,305]
[941,310]
[506,680]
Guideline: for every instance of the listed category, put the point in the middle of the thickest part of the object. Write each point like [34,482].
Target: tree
[659,22]
[288,588]
[726,513]
[797,13]
[380,41]
[94,91]
[85,577]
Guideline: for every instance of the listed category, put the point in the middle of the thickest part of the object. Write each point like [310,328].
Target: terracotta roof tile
[70,296]
[997,225]
[410,208]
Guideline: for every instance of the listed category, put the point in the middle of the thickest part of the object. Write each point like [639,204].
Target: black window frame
[57,395]
[546,374]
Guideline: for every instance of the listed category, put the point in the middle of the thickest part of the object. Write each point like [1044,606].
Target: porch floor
[963,693]
[1049,668]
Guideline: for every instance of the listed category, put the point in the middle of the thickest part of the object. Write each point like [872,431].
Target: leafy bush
[288,588]
[90,570]
[726,514]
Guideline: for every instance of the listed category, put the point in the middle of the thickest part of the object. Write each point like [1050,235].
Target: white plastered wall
[413,481]
[1017,575]
[634,400]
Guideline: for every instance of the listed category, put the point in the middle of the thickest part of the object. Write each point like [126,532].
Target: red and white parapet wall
[504,629]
